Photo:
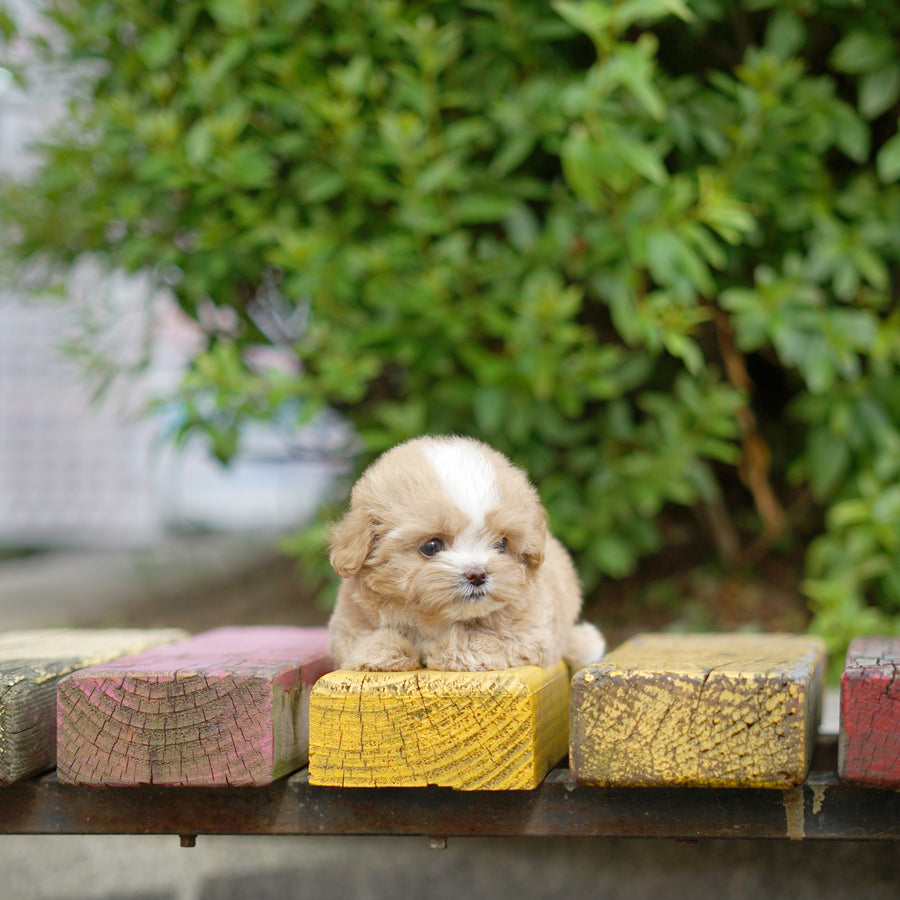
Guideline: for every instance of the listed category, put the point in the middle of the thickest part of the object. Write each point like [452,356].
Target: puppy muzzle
[476,576]
[475,584]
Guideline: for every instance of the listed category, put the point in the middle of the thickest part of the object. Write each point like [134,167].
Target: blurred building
[75,470]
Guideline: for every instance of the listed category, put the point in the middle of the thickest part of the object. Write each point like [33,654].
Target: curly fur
[501,591]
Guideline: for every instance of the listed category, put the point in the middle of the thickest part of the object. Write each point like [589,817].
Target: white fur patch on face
[467,476]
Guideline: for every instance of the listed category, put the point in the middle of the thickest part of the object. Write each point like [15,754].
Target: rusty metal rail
[822,808]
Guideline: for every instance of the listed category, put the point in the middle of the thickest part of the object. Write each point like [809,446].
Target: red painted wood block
[226,707]
[869,741]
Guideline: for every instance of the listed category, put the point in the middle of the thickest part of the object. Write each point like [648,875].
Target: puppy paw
[479,650]
[381,651]
[465,661]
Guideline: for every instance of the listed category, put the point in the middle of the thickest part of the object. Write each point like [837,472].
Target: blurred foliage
[645,247]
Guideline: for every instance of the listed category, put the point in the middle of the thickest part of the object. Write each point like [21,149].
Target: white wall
[73,471]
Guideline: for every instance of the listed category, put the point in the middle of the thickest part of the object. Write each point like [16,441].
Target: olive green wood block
[31,664]
[497,730]
[713,710]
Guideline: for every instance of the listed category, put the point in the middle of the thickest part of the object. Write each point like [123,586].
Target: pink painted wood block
[226,707]
[31,664]
[869,738]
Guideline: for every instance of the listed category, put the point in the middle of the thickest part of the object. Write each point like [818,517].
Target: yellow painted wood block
[501,730]
[714,710]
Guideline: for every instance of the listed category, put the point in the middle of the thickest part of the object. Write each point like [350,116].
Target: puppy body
[447,563]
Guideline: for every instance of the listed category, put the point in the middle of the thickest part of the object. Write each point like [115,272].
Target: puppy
[447,563]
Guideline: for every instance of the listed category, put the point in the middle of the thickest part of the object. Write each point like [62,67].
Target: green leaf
[612,554]
[489,406]
[512,154]
[888,160]
[522,227]
[199,144]
[686,349]
[886,506]
[785,34]
[863,51]
[849,512]
[633,67]
[644,159]
[319,184]
[444,173]
[7,25]
[671,262]
[158,47]
[224,444]
[478,208]
[828,459]
[879,91]
[583,166]
[645,12]
[852,136]
[235,14]
[248,166]
[591,17]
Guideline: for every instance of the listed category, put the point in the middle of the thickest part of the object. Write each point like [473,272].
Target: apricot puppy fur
[446,562]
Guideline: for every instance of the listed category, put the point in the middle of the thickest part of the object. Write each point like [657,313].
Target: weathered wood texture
[725,710]
[31,664]
[869,738]
[227,707]
[501,730]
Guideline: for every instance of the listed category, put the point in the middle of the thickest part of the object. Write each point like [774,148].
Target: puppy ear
[351,541]
[533,556]
[536,541]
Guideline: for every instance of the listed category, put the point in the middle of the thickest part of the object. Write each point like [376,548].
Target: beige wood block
[31,665]
[723,710]
[500,730]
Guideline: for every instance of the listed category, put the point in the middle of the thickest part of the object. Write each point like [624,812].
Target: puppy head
[441,530]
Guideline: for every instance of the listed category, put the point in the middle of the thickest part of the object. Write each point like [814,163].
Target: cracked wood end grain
[712,710]
[31,664]
[869,737]
[498,730]
[228,707]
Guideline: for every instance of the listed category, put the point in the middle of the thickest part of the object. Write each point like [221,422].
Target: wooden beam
[500,730]
[822,808]
[722,710]
[227,707]
[869,738]
[31,664]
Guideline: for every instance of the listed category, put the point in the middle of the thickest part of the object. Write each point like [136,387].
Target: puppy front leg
[382,650]
[468,647]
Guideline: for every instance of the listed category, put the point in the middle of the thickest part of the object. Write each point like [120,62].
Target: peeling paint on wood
[795,813]
[225,708]
[31,664]
[723,710]
[869,737]
[501,730]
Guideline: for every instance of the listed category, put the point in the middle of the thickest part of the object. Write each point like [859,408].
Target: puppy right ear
[351,541]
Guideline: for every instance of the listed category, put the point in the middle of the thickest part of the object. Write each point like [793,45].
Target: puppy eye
[432,547]
[500,546]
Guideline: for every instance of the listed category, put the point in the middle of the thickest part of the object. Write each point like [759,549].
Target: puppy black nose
[476,576]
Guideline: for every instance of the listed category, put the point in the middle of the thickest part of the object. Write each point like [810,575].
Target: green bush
[644,247]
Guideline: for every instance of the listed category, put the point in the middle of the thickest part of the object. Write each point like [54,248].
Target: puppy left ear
[533,551]
[351,542]
[533,556]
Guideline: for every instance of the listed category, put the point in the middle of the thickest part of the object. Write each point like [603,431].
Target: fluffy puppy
[447,563]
